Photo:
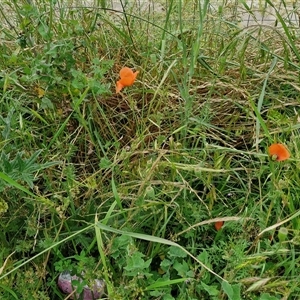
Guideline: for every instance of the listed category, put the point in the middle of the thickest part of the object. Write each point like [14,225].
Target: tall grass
[127,187]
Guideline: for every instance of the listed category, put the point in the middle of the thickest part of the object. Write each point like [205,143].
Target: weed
[169,189]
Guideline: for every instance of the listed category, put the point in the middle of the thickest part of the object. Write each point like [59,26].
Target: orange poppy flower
[127,78]
[279,151]
[218,225]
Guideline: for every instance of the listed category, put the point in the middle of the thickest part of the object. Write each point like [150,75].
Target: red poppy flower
[218,225]
[127,78]
[279,151]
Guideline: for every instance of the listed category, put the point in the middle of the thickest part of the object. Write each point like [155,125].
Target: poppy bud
[282,234]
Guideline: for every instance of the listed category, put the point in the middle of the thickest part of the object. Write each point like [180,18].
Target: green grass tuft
[128,187]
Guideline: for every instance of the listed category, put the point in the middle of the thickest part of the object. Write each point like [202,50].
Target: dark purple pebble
[65,284]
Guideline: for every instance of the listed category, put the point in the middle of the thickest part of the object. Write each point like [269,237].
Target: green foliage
[127,187]
[21,169]
[232,291]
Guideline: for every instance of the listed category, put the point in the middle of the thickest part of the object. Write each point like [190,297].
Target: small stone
[89,293]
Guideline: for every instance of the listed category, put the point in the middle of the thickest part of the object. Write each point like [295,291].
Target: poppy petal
[126,81]
[218,225]
[135,74]
[124,72]
[119,87]
[280,151]
[127,78]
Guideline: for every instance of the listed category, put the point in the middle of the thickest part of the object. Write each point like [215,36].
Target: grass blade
[155,239]
[20,187]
